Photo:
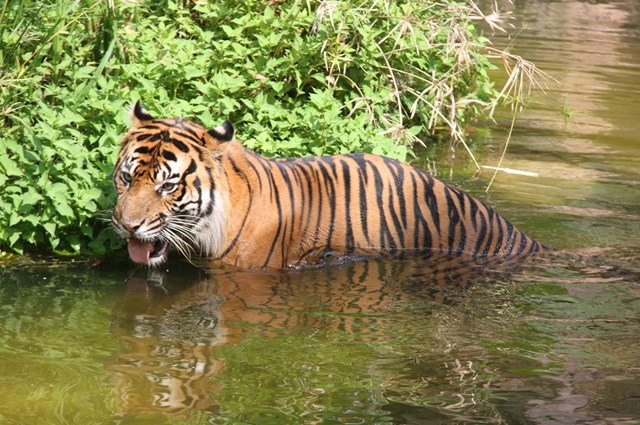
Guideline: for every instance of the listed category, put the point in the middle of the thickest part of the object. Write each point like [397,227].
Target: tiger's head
[165,180]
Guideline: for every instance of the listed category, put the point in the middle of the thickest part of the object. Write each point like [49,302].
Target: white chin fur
[156,261]
[211,229]
[207,233]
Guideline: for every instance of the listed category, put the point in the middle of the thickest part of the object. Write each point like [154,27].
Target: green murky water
[413,342]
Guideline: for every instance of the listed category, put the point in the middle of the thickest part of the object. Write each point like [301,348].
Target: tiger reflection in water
[171,324]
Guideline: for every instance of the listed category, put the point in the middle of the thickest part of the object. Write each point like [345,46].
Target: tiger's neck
[253,234]
[235,187]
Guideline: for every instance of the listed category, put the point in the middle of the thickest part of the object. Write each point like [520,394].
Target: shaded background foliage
[295,77]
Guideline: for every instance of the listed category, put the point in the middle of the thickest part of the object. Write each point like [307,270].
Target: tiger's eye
[168,187]
[126,177]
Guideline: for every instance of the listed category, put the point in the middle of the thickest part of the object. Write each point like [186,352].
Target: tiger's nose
[131,226]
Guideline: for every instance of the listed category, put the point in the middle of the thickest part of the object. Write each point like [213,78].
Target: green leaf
[13,239]
[14,218]
[50,227]
[31,197]
[9,167]
[64,209]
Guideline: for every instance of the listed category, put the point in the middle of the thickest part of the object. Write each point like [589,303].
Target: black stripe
[197,183]
[482,233]
[318,182]
[362,194]
[186,125]
[191,137]
[331,193]
[142,150]
[143,137]
[420,221]
[283,243]
[398,178]
[295,171]
[490,230]
[212,189]
[255,170]
[284,171]
[155,224]
[307,201]
[454,218]
[397,186]
[181,146]
[265,166]
[169,156]
[191,169]
[155,137]
[524,241]
[243,176]
[394,218]
[500,236]
[274,194]
[511,238]
[346,176]
[473,211]
[165,166]
[428,200]
[462,243]
[385,233]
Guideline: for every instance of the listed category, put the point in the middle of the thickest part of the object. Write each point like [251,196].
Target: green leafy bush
[295,77]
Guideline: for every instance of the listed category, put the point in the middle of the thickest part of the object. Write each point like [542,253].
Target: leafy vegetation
[296,77]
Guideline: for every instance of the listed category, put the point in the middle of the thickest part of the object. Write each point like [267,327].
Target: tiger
[201,192]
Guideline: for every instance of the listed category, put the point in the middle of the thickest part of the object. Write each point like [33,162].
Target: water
[555,340]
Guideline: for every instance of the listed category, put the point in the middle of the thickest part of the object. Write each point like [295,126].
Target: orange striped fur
[205,194]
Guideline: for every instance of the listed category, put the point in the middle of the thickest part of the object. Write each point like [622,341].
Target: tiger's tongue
[140,251]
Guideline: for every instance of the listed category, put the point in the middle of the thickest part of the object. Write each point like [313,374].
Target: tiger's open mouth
[143,252]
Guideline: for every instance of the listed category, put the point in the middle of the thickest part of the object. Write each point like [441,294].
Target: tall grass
[296,77]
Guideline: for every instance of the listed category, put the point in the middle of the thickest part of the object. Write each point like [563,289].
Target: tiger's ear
[223,132]
[139,115]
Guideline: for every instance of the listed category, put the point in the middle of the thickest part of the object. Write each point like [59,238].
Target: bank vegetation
[296,77]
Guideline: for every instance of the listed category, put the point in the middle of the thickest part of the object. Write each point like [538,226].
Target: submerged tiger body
[205,194]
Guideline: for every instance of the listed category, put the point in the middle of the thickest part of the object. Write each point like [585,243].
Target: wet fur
[240,208]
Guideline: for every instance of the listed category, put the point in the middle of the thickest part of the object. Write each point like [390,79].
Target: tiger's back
[358,205]
[206,195]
